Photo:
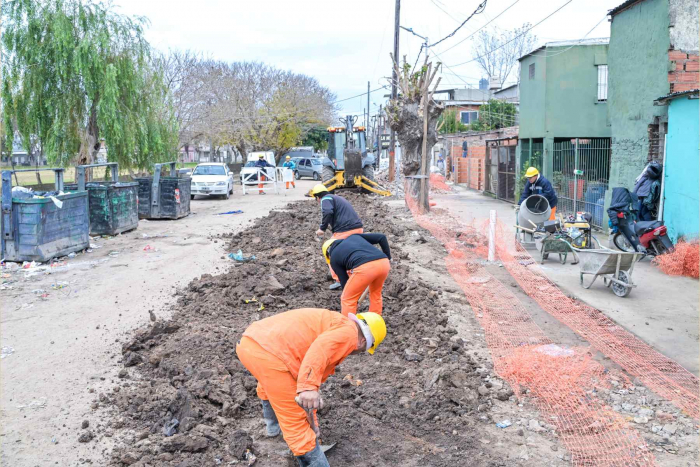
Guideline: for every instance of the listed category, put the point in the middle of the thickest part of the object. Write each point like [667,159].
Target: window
[531,70]
[468,117]
[602,83]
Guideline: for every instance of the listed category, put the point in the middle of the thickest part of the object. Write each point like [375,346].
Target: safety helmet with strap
[261,156]
[377,327]
[326,245]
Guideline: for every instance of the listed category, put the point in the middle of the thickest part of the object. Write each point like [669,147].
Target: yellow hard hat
[318,189]
[531,172]
[377,327]
[326,245]
[288,157]
[260,156]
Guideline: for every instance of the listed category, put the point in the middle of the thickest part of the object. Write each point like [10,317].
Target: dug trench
[428,396]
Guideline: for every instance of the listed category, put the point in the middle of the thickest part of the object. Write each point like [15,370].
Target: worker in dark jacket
[359,265]
[538,185]
[261,163]
[338,214]
[646,191]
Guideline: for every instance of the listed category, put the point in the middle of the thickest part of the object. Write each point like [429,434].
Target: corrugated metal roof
[673,95]
[622,6]
[570,43]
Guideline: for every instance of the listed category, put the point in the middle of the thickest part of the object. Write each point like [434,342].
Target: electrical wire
[519,35]
[482,27]
[544,51]
[479,9]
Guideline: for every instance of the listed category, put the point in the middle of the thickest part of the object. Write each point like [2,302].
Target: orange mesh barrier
[684,260]
[562,381]
[437,181]
[658,373]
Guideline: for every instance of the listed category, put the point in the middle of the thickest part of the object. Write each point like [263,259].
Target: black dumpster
[39,228]
[113,206]
[164,197]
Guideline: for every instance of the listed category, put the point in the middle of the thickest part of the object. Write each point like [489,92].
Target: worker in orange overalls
[359,265]
[291,165]
[291,354]
[261,164]
[338,214]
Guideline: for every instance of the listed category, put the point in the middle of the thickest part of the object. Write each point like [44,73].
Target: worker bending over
[538,185]
[359,265]
[262,164]
[291,165]
[291,354]
[338,214]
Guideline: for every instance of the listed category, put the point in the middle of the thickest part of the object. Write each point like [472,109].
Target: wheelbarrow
[614,266]
[555,243]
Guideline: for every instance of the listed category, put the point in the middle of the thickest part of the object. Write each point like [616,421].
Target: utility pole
[394,80]
[367,125]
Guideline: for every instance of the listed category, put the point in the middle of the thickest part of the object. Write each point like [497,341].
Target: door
[492,169]
[580,174]
[506,173]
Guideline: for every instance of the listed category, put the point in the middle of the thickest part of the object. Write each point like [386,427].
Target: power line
[519,35]
[479,9]
[544,52]
[359,95]
[482,27]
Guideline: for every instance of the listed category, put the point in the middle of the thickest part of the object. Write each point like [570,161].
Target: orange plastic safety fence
[438,181]
[561,380]
[658,372]
[684,260]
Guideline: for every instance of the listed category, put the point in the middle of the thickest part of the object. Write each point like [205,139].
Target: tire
[620,290]
[296,175]
[368,172]
[317,177]
[327,173]
[621,243]
[660,247]
[227,195]
[191,197]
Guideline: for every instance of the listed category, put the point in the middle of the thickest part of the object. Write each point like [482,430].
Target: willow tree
[76,72]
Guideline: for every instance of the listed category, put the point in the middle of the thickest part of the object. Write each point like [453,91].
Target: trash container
[113,206]
[41,228]
[164,197]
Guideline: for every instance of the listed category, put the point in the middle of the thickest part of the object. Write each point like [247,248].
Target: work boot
[315,458]
[334,286]
[272,426]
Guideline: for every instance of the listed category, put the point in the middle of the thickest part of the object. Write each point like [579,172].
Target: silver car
[308,167]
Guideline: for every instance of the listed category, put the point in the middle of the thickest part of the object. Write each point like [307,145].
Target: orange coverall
[553,215]
[343,236]
[293,352]
[372,275]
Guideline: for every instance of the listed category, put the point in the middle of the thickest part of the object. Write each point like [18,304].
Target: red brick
[683,77]
[692,66]
[694,57]
[680,65]
[677,55]
[680,87]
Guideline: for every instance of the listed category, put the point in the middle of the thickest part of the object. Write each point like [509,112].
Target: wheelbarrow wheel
[619,289]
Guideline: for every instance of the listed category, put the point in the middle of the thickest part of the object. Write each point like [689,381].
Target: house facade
[564,129]
[653,52]
[465,102]
[680,200]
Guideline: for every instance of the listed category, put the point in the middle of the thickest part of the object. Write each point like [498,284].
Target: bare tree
[498,52]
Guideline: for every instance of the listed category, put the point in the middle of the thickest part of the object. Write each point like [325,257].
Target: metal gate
[580,174]
[491,166]
[501,168]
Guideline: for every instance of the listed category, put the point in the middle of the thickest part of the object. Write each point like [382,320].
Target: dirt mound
[186,400]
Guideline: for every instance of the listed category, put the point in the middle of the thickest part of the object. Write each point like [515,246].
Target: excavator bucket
[365,183]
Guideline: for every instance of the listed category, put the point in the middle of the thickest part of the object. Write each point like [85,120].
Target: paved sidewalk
[662,310]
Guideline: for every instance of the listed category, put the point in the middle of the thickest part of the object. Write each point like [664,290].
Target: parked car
[308,167]
[249,169]
[212,179]
[186,171]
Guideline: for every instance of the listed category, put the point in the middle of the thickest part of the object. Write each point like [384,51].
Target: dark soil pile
[186,400]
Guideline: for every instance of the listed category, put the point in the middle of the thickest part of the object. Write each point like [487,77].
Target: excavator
[349,164]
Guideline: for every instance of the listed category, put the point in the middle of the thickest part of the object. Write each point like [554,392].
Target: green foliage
[449,123]
[495,114]
[316,137]
[75,73]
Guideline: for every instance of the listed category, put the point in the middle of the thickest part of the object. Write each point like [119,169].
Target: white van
[269,157]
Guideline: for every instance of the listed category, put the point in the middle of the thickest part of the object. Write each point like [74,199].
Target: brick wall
[684,74]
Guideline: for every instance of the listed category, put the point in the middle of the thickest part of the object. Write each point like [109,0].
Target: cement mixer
[534,210]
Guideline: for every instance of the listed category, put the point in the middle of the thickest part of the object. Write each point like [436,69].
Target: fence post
[492,235]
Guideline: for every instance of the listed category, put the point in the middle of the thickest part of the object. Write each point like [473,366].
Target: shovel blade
[327,447]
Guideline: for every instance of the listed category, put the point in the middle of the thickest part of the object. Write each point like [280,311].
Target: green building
[564,129]
[653,52]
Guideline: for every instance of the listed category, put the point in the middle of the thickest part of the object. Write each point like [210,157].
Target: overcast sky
[346,44]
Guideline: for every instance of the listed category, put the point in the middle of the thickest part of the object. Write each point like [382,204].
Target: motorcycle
[651,235]
[648,237]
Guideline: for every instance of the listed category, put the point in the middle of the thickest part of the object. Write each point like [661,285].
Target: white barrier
[271,174]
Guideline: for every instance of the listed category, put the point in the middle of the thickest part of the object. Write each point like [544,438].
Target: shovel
[311,416]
